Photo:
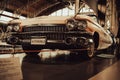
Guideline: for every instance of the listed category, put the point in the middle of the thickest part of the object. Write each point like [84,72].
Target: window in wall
[4,19]
[69,12]
[8,17]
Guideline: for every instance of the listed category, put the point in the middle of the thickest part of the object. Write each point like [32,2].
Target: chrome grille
[55,32]
[51,36]
[60,28]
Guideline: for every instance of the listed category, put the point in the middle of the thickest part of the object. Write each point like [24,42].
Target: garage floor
[68,67]
[78,69]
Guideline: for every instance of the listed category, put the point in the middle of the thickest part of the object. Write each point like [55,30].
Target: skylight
[6,16]
[69,12]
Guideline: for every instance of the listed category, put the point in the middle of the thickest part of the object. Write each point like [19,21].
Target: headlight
[9,28]
[73,24]
[1,33]
[13,27]
[12,40]
[82,25]
[70,24]
[82,41]
[16,28]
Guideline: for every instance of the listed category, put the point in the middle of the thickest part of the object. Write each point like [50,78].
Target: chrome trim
[26,40]
[55,41]
[48,41]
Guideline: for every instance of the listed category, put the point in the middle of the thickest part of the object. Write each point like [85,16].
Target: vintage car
[74,33]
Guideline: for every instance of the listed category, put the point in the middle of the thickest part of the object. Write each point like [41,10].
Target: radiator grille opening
[57,28]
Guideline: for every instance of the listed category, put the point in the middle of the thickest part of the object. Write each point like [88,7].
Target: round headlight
[16,28]
[70,24]
[82,25]
[9,28]
[1,33]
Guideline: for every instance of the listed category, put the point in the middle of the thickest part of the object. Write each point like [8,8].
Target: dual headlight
[14,27]
[1,33]
[73,24]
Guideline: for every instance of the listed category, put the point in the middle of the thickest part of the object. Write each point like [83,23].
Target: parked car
[76,33]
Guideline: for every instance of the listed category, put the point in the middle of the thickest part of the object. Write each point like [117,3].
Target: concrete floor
[78,69]
[67,66]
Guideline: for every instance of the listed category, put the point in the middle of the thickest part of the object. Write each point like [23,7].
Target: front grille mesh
[51,36]
[56,32]
[60,28]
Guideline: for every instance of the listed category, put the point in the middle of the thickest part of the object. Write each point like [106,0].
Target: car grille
[53,32]
[56,28]
[56,32]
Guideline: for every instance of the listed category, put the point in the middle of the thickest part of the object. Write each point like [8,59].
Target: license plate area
[38,40]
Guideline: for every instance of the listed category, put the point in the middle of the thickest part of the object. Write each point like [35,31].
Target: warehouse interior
[59,61]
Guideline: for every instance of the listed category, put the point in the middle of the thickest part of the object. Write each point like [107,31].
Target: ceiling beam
[77,2]
[8,16]
[45,8]
[26,6]
[93,5]
[50,10]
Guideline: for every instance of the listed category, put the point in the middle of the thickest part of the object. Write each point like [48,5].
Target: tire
[91,51]
[31,50]
[87,54]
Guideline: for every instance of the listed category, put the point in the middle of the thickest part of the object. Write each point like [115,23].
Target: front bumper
[54,40]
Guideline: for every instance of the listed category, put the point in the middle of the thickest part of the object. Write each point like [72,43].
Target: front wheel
[91,50]
[31,50]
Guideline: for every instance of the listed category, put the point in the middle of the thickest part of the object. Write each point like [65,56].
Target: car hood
[41,20]
[49,20]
